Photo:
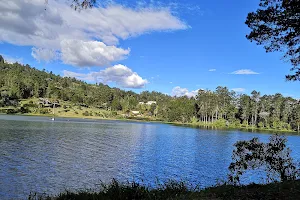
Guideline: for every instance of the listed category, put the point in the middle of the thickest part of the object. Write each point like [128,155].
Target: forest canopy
[220,107]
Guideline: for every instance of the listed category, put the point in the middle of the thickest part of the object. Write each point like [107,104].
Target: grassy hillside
[21,86]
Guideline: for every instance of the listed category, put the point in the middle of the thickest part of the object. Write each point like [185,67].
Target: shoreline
[178,190]
[190,125]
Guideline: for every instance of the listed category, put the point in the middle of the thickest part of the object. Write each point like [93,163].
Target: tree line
[220,107]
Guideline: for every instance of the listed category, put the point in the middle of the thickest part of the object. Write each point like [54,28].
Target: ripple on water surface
[40,155]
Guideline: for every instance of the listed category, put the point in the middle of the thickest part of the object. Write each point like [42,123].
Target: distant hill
[23,82]
[219,108]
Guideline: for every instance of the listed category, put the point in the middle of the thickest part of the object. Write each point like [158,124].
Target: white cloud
[244,72]
[45,26]
[91,53]
[41,54]
[179,92]
[212,70]
[240,90]
[119,74]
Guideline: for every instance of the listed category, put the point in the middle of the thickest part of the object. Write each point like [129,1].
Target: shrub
[11,111]
[114,113]
[244,124]
[235,124]
[194,120]
[220,123]
[24,110]
[260,125]
[272,157]
[86,113]
[44,111]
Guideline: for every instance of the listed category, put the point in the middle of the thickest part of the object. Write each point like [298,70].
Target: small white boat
[53,113]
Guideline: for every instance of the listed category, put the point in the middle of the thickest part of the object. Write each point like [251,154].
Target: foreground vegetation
[180,190]
[273,157]
[22,86]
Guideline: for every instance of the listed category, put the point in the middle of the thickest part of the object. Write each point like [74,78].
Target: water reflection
[44,156]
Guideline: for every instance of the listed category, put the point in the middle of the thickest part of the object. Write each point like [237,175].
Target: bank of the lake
[181,190]
[153,120]
[67,109]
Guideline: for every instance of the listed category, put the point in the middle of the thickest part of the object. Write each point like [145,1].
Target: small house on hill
[47,103]
[151,102]
[135,112]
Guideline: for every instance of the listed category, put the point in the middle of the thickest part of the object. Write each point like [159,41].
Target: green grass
[74,111]
[180,191]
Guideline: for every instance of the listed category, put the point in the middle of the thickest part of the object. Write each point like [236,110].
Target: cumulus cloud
[244,72]
[212,70]
[91,53]
[46,26]
[240,90]
[41,54]
[119,74]
[179,92]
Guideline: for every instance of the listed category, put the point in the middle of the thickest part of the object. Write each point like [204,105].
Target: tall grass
[179,190]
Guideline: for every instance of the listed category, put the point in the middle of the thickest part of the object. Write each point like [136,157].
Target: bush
[244,124]
[44,111]
[86,113]
[24,110]
[235,124]
[11,111]
[29,105]
[220,123]
[114,113]
[272,157]
[194,120]
[260,125]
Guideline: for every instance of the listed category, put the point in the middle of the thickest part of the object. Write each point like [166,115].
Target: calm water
[40,155]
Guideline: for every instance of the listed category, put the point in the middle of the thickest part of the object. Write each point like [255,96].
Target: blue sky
[177,46]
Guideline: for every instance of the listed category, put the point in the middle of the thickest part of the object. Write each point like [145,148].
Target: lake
[41,155]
